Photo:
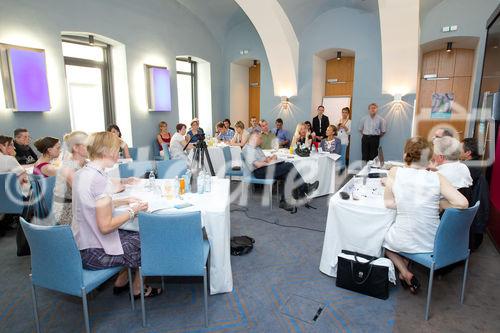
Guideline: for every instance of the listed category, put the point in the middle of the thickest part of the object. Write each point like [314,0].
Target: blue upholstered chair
[248,178]
[171,168]
[166,152]
[173,245]
[56,264]
[47,186]
[156,151]
[451,245]
[228,164]
[135,169]
[133,151]
[11,197]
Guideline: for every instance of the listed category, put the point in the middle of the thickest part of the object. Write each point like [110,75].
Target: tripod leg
[210,166]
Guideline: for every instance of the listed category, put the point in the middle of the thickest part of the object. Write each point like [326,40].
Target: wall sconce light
[255,63]
[285,103]
[339,55]
[397,98]
[449,47]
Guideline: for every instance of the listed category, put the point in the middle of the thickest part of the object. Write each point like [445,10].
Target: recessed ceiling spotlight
[449,46]
[339,55]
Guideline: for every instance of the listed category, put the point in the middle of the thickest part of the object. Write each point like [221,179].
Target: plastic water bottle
[201,182]
[208,183]
[187,180]
[176,186]
[152,179]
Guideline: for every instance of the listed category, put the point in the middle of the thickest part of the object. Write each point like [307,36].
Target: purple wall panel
[159,80]
[29,78]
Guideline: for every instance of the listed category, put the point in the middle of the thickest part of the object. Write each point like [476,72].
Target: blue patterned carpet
[277,288]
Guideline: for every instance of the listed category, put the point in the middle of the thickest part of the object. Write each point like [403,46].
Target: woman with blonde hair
[50,148]
[241,136]
[96,229]
[164,136]
[301,136]
[75,159]
[417,195]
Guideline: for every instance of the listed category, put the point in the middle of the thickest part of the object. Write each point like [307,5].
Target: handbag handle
[367,275]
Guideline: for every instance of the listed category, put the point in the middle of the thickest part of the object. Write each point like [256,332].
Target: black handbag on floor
[241,245]
[362,277]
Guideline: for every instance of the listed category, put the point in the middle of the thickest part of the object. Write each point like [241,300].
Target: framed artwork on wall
[158,88]
[24,77]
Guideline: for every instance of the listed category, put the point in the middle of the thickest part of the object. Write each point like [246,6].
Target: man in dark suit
[320,123]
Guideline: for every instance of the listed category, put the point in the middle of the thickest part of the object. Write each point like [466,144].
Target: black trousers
[369,147]
[284,172]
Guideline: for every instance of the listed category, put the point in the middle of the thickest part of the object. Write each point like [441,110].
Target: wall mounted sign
[158,86]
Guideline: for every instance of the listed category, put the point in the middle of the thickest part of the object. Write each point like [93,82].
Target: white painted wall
[238,93]
[317,82]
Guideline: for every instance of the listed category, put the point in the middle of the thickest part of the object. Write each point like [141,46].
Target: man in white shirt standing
[447,151]
[372,127]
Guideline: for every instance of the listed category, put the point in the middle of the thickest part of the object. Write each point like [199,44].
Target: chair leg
[142,298]
[205,296]
[35,308]
[464,280]
[271,196]
[429,293]
[131,288]
[85,311]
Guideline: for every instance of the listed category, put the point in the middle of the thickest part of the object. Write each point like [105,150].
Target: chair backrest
[166,152]
[171,168]
[171,244]
[47,186]
[228,159]
[11,197]
[135,169]
[246,171]
[133,153]
[55,260]
[452,237]
[156,148]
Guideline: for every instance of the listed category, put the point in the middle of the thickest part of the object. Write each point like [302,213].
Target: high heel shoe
[414,286]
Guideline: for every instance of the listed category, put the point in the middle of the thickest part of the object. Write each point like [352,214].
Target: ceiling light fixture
[339,55]
[449,47]
[91,40]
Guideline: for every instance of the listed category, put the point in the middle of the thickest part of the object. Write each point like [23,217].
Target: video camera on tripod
[198,162]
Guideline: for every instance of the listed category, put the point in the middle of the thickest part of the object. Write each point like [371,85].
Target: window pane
[80,51]
[183,66]
[85,98]
[185,93]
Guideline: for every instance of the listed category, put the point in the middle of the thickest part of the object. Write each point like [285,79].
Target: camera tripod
[199,155]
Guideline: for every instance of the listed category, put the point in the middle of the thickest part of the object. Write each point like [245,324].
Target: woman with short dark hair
[50,148]
[178,142]
[123,145]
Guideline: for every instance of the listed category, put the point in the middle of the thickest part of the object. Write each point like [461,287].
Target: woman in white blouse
[241,136]
[344,130]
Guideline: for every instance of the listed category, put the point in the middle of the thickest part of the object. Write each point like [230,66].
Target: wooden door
[454,71]
[254,92]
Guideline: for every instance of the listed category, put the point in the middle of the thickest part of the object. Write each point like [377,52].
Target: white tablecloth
[217,158]
[355,225]
[214,207]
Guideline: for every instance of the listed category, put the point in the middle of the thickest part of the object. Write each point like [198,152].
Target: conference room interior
[249,166]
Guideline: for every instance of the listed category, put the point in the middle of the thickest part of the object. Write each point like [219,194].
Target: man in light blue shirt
[282,134]
[225,134]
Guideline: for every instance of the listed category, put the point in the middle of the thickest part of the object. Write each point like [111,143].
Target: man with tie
[320,123]
[282,134]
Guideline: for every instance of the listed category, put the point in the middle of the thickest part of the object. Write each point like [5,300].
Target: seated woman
[196,132]
[310,130]
[164,136]
[50,148]
[178,142]
[301,136]
[8,162]
[123,146]
[417,195]
[95,227]
[331,143]
[75,159]
[241,136]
